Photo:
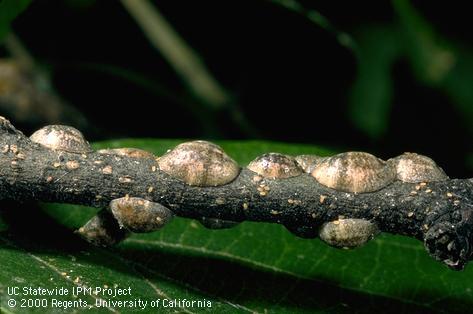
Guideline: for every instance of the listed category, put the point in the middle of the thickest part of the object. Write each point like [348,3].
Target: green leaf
[431,57]
[436,61]
[9,9]
[253,267]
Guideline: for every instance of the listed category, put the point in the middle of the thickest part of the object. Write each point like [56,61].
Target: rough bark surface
[438,213]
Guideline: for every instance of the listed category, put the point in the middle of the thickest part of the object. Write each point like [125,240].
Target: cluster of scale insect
[353,172]
[132,214]
[204,164]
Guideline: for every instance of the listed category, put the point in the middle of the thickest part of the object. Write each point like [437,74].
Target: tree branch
[438,213]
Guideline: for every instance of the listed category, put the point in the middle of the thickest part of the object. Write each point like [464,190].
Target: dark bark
[438,213]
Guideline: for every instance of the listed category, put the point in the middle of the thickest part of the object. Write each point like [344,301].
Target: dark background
[404,84]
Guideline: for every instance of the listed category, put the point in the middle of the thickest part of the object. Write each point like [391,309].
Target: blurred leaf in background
[435,61]
[9,9]
[382,45]
[371,95]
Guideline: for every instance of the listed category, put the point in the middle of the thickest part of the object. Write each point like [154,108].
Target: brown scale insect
[199,163]
[61,137]
[356,172]
[102,230]
[308,162]
[139,215]
[127,151]
[348,233]
[147,216]
[275,166]
[415,168]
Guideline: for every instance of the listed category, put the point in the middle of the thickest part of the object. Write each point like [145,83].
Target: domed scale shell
[415,168]
[5,125]
[356,172]
[199,163]
[275,166]
[128,152]
[348,233]
[102,230]
[139,215]
[61,137]
[308,162]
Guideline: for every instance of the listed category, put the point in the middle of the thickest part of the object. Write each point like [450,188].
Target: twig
[315,17]
[176,51]
[198,180]
[209,93]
